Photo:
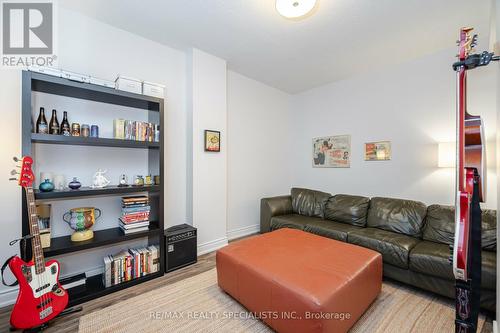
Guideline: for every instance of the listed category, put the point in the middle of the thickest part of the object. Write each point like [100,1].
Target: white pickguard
[44,282]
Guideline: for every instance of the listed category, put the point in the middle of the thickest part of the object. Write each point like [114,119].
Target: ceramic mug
[82,218]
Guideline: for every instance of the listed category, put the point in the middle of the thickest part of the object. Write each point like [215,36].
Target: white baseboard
[495,326]
[8,297]
[243,231]
[212,245]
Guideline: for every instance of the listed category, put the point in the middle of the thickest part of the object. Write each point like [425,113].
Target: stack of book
[130,264]
[135,214]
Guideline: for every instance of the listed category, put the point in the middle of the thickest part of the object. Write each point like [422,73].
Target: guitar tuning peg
[14,172]
[11,179]
[16,159]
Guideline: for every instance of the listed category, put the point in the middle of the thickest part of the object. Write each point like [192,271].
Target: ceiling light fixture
[294,8]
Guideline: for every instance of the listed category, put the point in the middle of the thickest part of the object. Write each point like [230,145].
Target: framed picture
[378,151]
[212,141]
[332,152]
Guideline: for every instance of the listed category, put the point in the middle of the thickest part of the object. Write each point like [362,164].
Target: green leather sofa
[413,239]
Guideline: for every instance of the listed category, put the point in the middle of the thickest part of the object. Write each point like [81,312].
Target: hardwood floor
[69,323]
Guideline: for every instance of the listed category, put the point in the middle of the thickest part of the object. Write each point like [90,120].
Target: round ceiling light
[294,8]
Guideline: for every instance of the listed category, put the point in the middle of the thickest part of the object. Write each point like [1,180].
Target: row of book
[135,214]
[130,264]
[136,130]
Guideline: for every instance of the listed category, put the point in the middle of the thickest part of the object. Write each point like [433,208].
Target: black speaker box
[181,247]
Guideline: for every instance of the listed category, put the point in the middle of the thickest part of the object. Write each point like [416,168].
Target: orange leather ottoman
[299,282]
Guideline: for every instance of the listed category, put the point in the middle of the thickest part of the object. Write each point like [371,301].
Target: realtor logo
[27,33]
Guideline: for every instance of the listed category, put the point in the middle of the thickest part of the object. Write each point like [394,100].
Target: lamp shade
[294,8]
[447,155]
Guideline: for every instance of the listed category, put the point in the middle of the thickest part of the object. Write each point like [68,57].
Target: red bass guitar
[41,297]
[470,191]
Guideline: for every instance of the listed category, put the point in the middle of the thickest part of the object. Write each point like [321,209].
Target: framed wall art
[378,151]
[332,152]
[212,141]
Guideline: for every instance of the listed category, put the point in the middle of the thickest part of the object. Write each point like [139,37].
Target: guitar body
[40,298]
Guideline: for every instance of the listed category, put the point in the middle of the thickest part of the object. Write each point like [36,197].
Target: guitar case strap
[4,266]
[468,293]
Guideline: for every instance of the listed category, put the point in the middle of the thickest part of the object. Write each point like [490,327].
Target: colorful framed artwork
[212,141]
[332,152]
[378,151]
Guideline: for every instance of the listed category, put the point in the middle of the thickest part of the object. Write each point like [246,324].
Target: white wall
[88,46]
[258,150]
[207,108]
[413,106]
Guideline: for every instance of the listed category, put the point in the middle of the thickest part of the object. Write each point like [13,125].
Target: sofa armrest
[274,206]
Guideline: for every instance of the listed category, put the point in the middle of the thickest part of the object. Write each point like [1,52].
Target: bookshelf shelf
[63,87]
[98,142]
[63,245]
[95,288]
[90,192]
[153,107]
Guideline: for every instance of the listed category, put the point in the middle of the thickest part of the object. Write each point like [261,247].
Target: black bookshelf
[60,246]
[111,236]
[95,288]
[98,142]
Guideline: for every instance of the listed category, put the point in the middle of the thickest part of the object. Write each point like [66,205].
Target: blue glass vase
[46,186]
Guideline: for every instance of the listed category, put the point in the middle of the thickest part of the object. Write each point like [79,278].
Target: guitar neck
[461,110]
[34,231]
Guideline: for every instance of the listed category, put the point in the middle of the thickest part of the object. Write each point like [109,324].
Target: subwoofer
[181,246]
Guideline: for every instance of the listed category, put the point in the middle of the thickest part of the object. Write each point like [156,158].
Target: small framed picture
[212,141]
[378,151]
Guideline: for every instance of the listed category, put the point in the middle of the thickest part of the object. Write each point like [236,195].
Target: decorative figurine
[139,181]
[74,184]
[81,221]
[123,181]
[148,181]
[46,186]
[99,180]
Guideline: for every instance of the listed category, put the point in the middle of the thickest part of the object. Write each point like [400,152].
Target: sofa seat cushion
[345,208]
[488,270]
[432,259]
[394,247]
[330,229]
[292,221]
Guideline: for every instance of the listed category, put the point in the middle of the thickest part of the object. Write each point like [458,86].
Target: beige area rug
[197,304]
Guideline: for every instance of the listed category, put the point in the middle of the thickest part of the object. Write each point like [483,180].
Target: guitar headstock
[26,176]
[466,43]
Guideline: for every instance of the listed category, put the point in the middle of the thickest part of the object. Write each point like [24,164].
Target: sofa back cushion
[351,209]
[397,215]
[309,202]
[440,226]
